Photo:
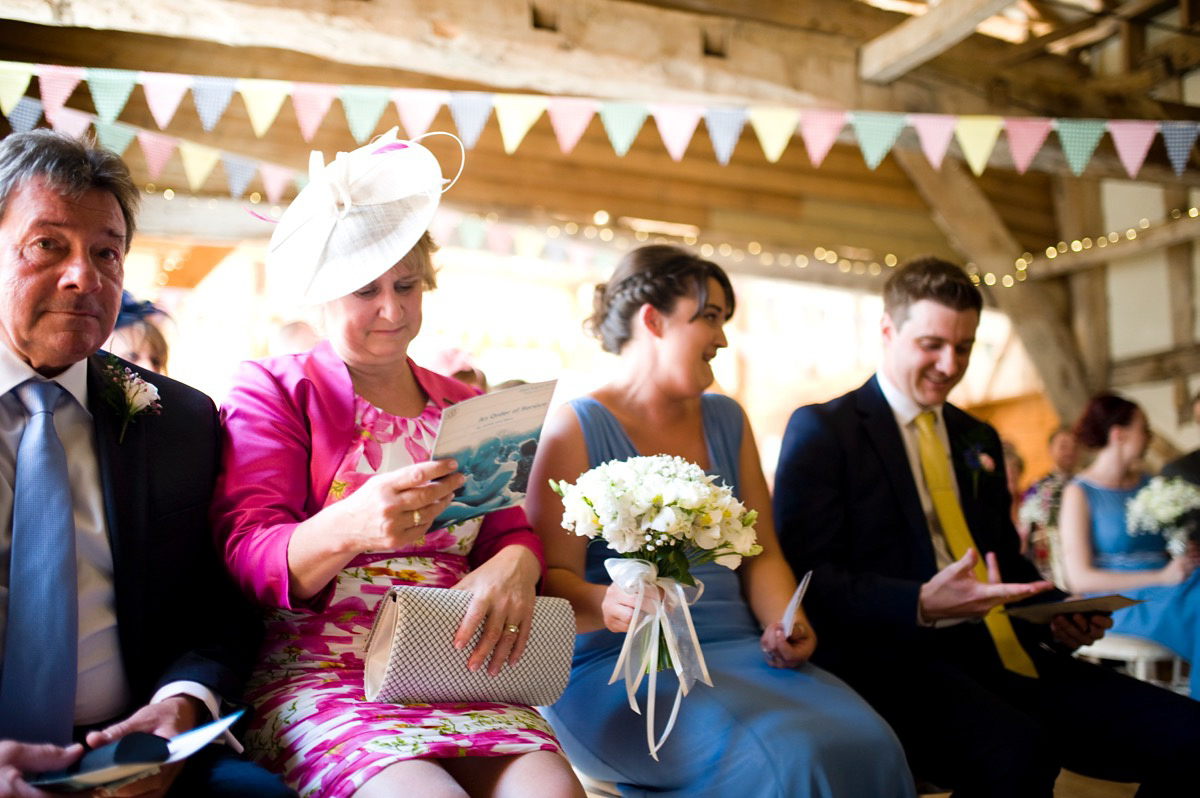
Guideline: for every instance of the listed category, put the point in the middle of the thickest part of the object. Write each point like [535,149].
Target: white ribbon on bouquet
[670,621]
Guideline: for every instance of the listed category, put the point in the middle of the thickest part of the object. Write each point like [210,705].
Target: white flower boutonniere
[128,394]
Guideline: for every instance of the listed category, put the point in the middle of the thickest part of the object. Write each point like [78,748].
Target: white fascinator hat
[357,217]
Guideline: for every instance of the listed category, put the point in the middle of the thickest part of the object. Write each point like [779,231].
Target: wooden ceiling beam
[921,38]
[1167,234]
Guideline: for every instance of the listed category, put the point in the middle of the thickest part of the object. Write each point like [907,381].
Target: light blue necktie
[41,643]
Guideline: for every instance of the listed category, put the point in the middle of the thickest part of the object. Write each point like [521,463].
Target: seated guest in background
[458,364]
[136,338]
[327,497]
[118,617]
[1187,466]
[1014,467]
[771,724]
[1038,515]
[1102,555]
[913,552]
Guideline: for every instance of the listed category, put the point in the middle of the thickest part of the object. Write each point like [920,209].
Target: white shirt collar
[14,371]
[903,407]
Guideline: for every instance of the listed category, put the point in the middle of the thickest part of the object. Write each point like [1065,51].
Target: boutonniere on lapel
[129,394]
[976,459]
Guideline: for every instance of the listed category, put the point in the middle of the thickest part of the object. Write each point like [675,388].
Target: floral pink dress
[312,721]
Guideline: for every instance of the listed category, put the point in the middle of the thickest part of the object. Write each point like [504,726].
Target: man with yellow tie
[897,501]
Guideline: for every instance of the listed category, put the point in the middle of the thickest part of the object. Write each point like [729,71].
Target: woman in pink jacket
[327,498]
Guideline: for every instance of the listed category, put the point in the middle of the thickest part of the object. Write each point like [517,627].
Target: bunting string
[774,126]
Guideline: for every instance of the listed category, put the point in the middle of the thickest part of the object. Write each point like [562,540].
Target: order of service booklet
[493,438]
[128,759]
[1043,613]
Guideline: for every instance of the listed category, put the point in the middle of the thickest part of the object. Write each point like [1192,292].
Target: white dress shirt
[101,691]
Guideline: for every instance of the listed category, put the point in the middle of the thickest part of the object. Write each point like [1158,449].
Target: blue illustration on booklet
[493,438]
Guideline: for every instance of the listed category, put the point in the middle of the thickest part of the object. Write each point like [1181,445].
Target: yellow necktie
[940,483]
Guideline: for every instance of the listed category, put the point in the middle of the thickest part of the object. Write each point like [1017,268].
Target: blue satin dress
[1170,615]
[758,731]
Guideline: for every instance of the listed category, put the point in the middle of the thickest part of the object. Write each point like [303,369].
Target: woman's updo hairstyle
[657,275]
[1102,413]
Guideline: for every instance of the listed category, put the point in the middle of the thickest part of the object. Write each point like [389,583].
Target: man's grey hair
[69,166]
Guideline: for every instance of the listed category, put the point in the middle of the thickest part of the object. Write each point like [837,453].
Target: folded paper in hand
[1045,612]
[134,756]
[411,658]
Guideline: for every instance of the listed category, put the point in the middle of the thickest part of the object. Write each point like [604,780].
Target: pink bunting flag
[55,83]
[417,108]
[164,91]
[1132,138]
[569,116]
[934,131]
[68,120]
[311,102]
[820,128]
[275,180]
[676,124]
[1025,137]
[157,149]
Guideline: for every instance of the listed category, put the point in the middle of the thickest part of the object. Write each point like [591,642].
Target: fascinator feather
[358,216]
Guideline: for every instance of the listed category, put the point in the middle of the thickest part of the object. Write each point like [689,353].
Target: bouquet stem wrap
[670,622]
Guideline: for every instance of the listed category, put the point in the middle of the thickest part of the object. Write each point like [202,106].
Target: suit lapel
[879,422]
[123,481]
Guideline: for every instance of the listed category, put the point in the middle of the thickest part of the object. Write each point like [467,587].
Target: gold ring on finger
[416,518]
[512,629]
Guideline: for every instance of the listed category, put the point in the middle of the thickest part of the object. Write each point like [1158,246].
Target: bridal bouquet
[1166,505]
[664,516]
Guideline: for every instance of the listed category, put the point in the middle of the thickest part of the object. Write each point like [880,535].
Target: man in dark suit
[897,501]
[157,639]
[1188,465]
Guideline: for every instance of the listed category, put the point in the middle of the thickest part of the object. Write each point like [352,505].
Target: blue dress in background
[1170,615]
[758,731]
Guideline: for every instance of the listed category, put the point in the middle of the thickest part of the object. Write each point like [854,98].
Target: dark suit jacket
[1187,466]
[178,614]
[846,505]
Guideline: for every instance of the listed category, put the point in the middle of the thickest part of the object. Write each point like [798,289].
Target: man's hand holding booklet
[1045,612]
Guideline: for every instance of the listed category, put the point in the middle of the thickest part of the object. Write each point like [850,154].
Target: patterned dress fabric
[312,721]
[1170,615]
[758,731]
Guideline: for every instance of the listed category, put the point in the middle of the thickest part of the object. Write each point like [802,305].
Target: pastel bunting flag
[73,123]
[114,135]
[211,96]
[444,223]
[622,121]
[676,123]
[157,148]
[934,131]
[164,91]
[14,82]
[239,171]
[774,125]
[198,162]
[516,114]
[528,242]
[263,99]
[110,90]
[499,239]
[311,102]
[417,108]
[1079,138]
[25,114]
[275,180]
[470,110]
[977,138]
[364,106]
[1132,139]
[877,134]
[1179,138]
[569,116]
[55,85]
[724,129]
[471,232]
[1026,135]
[820,128]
